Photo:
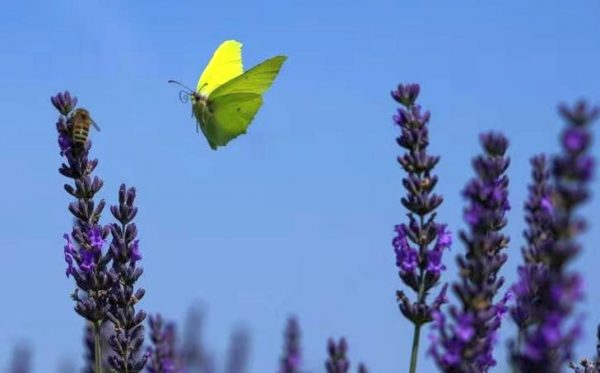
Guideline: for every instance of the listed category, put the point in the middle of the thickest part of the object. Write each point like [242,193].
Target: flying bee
[81,120]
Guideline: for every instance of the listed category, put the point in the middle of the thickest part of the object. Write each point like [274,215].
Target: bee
[81,120]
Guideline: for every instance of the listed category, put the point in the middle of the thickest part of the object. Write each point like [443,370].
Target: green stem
[415,349]
[414,356]
[97,348]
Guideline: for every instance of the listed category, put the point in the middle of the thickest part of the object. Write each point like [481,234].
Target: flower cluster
[128,324]
[466,344]
[163,354]
[194,355]
[292,359]
[538,234]
[106,272]
[337,361]
[239,349]
[86,261]
[104,291]
[21,360]
[546,340]
[418,245]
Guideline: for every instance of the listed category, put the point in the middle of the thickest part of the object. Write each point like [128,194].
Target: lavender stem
[97,348]
[415,349]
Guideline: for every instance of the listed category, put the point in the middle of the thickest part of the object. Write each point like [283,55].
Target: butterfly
[226,98]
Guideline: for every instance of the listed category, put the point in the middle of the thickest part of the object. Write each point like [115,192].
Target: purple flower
[419,243]
[406,94]
[63,102]
[103,291]
[64,143]
[86,263]
[292,359]
[547,290]
[239,349]
[135,251]
[163,355]
[69,254]
[194,355]
[337,361]
[96,239]
[406,256]
[464,342]
[539,233]
[124,249]
[21,359]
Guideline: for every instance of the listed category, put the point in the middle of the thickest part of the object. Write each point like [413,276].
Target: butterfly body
[200,109]
[226,98]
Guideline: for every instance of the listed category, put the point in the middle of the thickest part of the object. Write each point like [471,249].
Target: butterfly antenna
[190,91]
[184,94]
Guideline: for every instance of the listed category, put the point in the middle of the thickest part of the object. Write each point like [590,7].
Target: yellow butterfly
[226,98]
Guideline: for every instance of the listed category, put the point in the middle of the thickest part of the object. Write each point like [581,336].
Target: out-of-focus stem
[414,356]
[97,348]
[415,349]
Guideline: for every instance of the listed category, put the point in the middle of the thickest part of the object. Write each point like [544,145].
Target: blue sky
[297,216]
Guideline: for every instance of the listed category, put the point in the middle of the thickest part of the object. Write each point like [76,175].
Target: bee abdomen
[81,131]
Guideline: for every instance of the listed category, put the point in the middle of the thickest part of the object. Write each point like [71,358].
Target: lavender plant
[90,352]
[102,292]
[164,356]
[548,337]
[21,360]
[89,344]
[418,245]
[128,338]
[86,261]
[545,294]
[194,355]
[292,358]
[538,233]
[337,361]
[239,350]
[466,344]
[597,359]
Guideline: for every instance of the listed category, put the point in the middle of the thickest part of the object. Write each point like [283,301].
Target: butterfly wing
[256,80]
[225,64]
[230,115]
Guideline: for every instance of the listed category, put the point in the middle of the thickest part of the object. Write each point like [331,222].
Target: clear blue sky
[297,216]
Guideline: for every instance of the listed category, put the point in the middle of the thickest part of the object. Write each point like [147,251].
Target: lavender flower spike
[419,244]
[21,360]
[539,233]
[63,102]
[239,350]
[195,358]
[337,362]
[465,344]
[292,358]
[86,260]
[128,324]
[164,357]
[547,343]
